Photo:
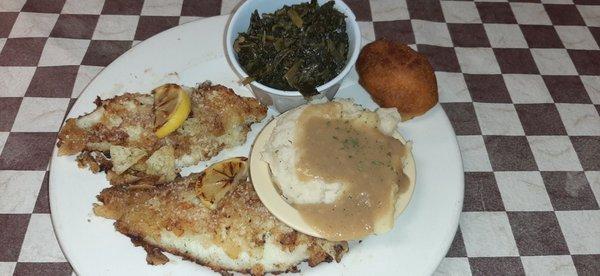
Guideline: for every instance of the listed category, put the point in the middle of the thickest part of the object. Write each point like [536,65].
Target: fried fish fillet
[118,136]
[238,234]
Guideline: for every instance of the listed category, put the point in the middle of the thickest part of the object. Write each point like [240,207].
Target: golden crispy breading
[124,127]
[397,76]
[239,235]
[219,118]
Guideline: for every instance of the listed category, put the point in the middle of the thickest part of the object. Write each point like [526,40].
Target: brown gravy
[357,154]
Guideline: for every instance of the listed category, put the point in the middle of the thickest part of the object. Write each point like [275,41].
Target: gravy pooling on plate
[356,153]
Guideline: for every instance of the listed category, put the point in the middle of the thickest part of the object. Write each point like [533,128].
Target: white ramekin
[280,99]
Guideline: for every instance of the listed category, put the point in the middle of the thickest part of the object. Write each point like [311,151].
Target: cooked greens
[297,47]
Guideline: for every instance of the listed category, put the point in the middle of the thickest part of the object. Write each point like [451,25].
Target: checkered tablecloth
[519,80]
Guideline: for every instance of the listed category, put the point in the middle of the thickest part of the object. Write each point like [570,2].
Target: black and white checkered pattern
[519,80]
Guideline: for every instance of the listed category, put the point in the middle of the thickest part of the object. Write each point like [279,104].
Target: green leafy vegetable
[297,47]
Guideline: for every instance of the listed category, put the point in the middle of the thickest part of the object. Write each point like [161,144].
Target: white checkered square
[553,62]
[498,119]
[19,191]
[40,244]
[3,137]
[592,86]
[389,10]
[527,89]
[227,6]
[15,80]
[594,180]
[116,27]
[564,2]
[40,114]
[460,12]
[162,8]
[576,37]
[487,234]
[453,266]
[505,36]
[590,15]
[452,87]
[7,268]
[30,24]
[367,31]
[579,119]
[477,60]
[12,6]
[581,230]
[85,74]
[2,42]
[63,51]
[530,13]
[187,19]
[431,33]
[82,7]
[554,153]
[474,154]
[523,191]
[548,265]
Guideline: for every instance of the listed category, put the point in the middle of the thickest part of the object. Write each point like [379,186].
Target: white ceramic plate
[192,53]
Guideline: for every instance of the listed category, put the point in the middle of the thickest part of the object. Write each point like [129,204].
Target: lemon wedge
[172,106]
[217,180]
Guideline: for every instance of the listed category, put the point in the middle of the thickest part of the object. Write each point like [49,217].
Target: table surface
[519,80]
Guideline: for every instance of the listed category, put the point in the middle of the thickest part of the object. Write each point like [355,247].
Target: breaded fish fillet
[239,234]
[118,137]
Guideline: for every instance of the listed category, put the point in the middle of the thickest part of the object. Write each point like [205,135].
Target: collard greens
[297,47]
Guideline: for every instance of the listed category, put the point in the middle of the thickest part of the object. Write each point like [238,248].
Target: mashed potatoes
[281,153]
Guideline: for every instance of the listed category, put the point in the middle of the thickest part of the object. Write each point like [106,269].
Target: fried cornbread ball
[397,76]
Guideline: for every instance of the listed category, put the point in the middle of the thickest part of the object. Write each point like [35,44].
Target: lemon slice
[172,106]
[217,180]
